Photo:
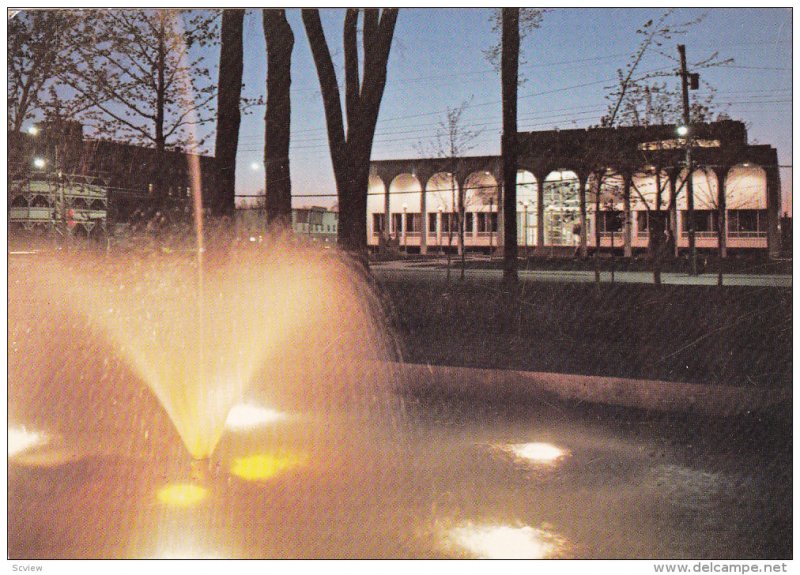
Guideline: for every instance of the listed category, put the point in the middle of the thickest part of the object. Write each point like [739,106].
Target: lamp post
[525,228]
[491,229]
[405,228]
[439,229]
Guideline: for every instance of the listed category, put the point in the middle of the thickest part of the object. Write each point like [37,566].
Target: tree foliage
[36,43]
[452,141]
[643,99]
[529,20]
[144,73]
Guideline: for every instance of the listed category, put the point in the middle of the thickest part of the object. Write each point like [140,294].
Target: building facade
[56,176]
[586,188]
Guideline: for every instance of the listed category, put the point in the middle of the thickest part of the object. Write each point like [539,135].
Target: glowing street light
[33,131]
[255,166]
[683,130]
[39,163]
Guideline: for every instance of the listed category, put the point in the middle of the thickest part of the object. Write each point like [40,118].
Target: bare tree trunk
[510,79]
[597,233]
[278,185]
[160,139]
[350,154]
[228,112]
[461,225]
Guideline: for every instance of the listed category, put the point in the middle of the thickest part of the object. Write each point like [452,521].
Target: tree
[350,152]
[37,41]
[280,42]
[229,114]
[514,24]
[451,142]
[510,81]
[642,101]
[144,73]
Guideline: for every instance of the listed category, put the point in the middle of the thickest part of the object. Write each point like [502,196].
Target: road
[417,269]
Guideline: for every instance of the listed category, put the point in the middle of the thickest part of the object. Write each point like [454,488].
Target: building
[56,176]
[315,224]
[595,187]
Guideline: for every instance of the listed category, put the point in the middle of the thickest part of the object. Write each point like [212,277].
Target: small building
[596,187]
[315,223]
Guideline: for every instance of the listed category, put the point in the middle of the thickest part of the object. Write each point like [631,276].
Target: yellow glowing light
[265,466]
[20,439]
[537,452]
[187,553]
[245,416]
[504,541]
[181,494]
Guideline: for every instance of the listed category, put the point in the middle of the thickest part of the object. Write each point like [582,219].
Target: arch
[527,202]
[98,205]
[79,203]
[746,202]
[704,185]
[611,189]
[746,188]
[442,191]
[19,202]
[405,193]
[561,208]
[376,206]
[405,189]
[480,191]
[644,189]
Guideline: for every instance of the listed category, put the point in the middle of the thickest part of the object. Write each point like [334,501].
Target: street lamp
[33,131]
[39,163]
[683,130]
[405,228]
[525,227]
[439,229]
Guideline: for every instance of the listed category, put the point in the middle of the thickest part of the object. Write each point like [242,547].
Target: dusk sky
[437,62]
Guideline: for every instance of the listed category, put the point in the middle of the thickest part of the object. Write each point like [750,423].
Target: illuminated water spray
[301,322]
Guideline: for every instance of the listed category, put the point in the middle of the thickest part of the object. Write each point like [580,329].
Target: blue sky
[437,62]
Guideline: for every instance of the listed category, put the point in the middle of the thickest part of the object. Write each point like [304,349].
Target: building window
[487,222]
[705,221]
[413,223]
[609,221]
[397,224]
[378,222]
[747,222]
[642,223]
[449,222]
[431,223]
[469,222]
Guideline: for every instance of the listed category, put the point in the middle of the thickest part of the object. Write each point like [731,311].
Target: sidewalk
[426,269]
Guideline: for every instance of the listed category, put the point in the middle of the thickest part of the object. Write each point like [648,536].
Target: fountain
[199,346]
[261,413]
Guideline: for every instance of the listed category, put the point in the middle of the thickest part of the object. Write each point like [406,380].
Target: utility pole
[685,77]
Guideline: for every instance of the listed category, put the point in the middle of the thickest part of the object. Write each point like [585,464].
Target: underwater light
[537,452]
[181,494]
[265,465]
[20,439]
[245,416]
[504,541]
